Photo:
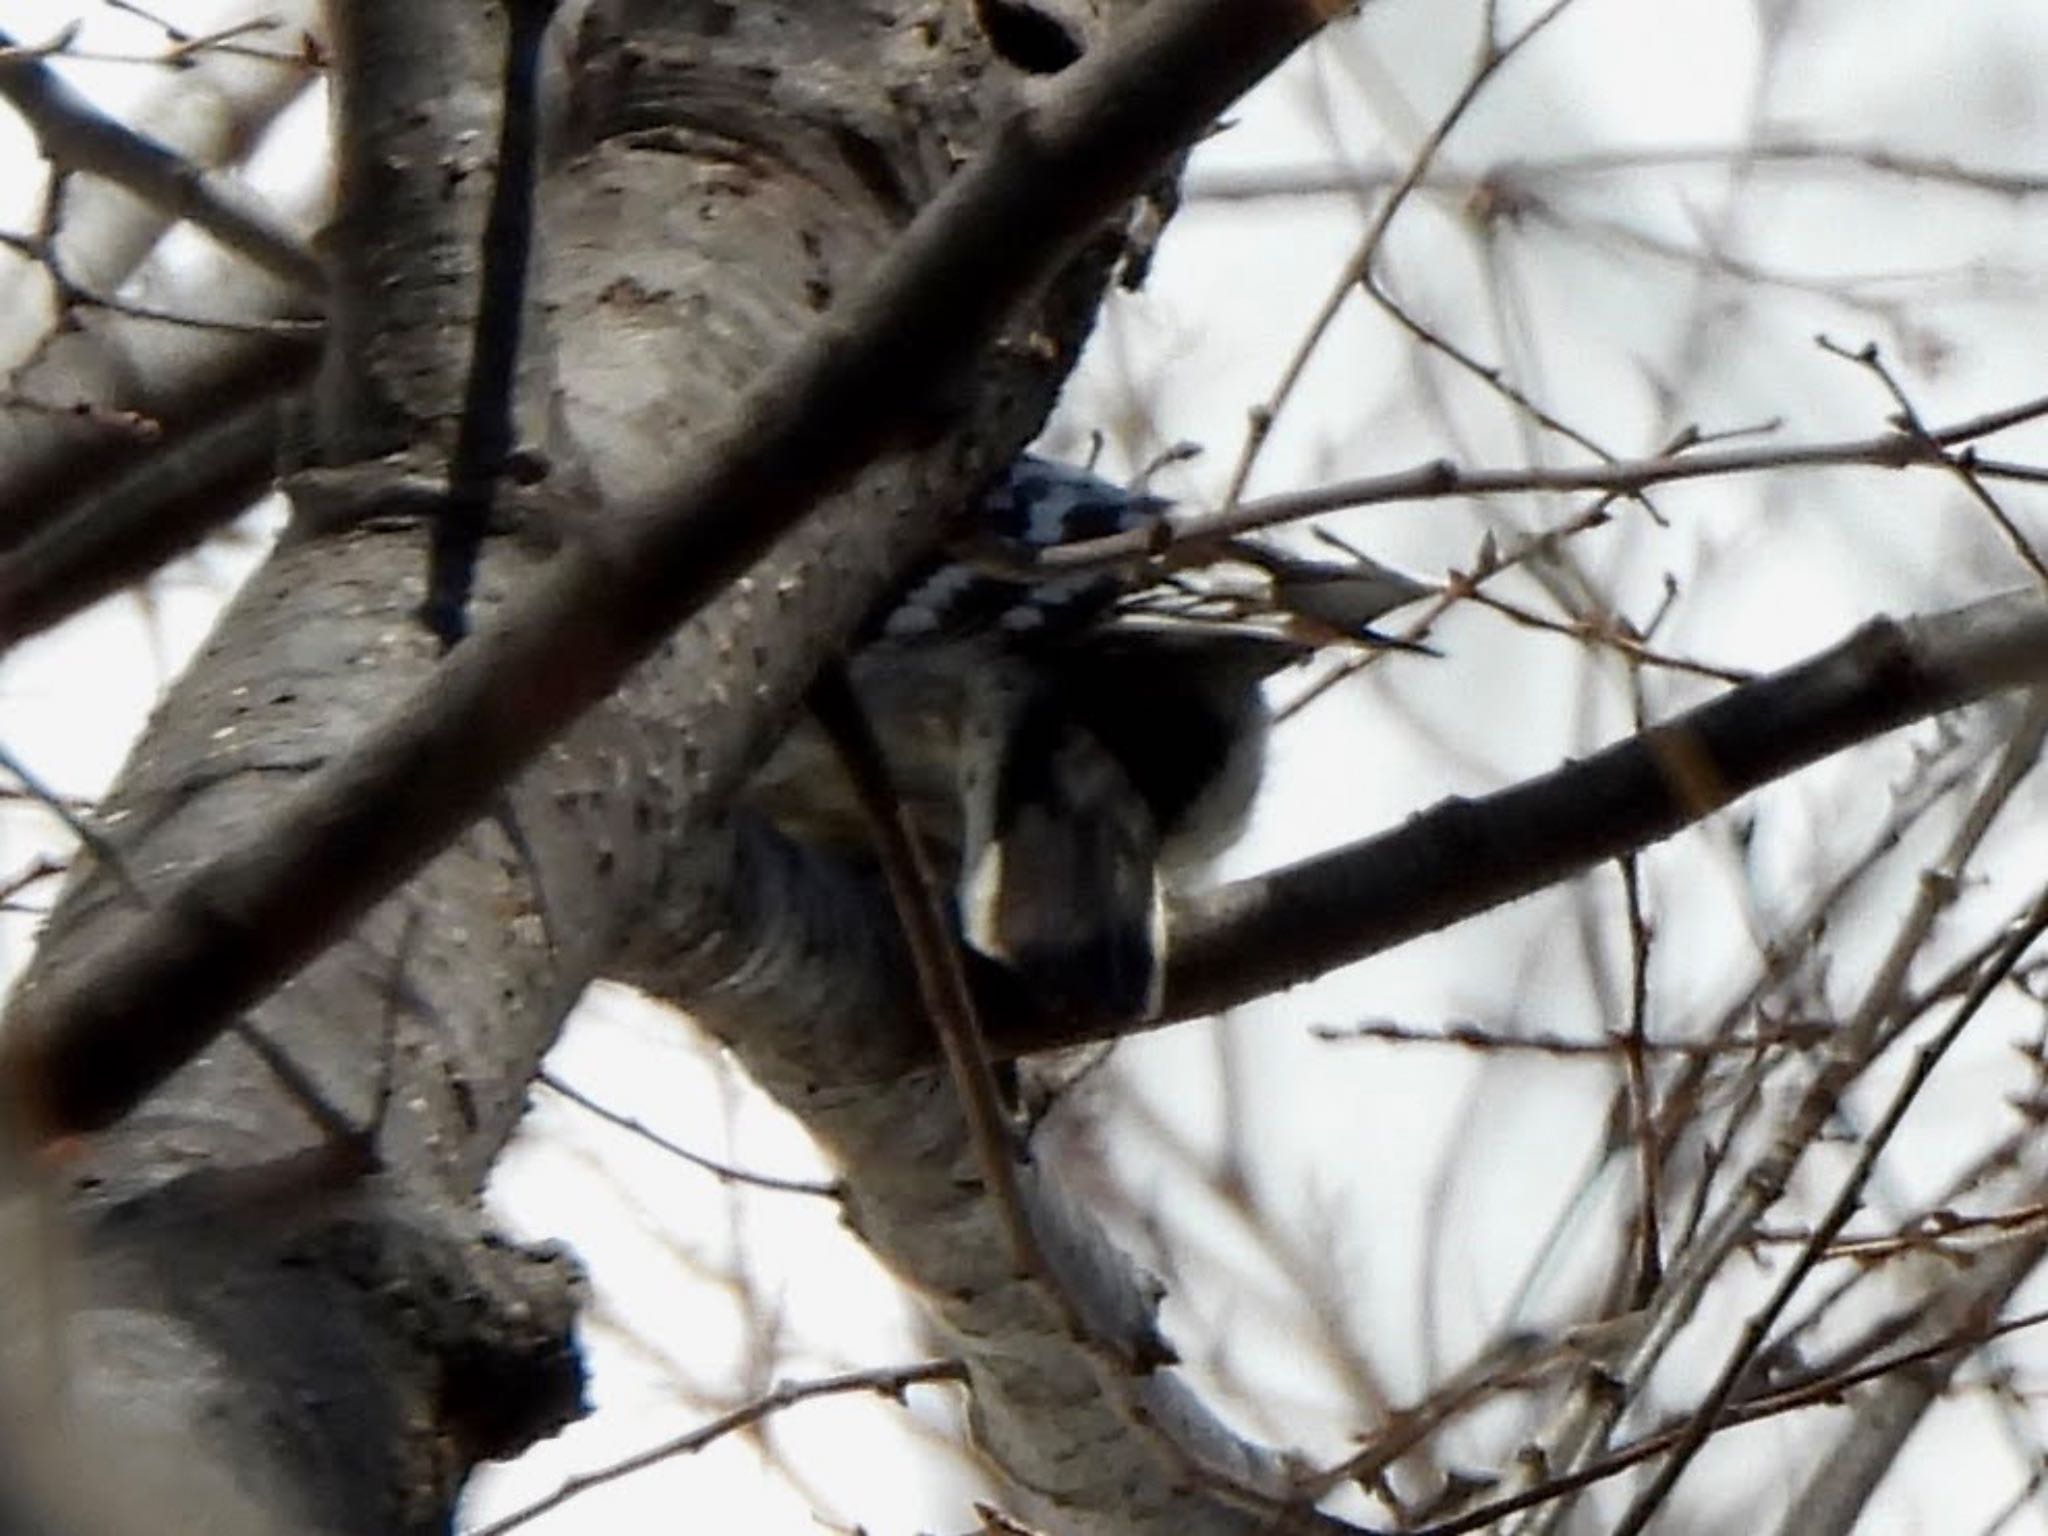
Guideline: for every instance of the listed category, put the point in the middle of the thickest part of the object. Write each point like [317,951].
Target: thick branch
[1463,857]
[834,1009]
[120,532]
[1466,856]
[423,1029]
[92,1044]
[106,390]
[1074,1396]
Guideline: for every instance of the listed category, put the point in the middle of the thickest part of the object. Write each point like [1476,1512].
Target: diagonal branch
[1463,857]
[118,533]
[106,391]
[74,135]
[92,1043]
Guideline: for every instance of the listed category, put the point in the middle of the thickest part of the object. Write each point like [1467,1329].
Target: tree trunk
[280,1271]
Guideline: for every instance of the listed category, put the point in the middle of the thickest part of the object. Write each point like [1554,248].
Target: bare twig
[76,136]
[1492,56]
[76,824]
[1826,1390]
[1962,465]
[1440,479]
[885,1381]
[941,977]
[1507,175]
[725,1173]
[1847,1198]
[1641,1102]
[483,437]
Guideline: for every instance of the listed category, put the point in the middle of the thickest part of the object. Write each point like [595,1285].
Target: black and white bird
[1070,745]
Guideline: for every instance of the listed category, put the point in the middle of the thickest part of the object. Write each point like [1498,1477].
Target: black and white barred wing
[1038,505]
[1060,742]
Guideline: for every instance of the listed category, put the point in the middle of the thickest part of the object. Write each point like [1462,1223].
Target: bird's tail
[1060,875]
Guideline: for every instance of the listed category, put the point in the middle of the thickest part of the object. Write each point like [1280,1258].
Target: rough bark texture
[285,1312]
[724,173]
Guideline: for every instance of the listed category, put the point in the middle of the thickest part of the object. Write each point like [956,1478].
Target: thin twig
[1703,1420]
[1357,271]
[75,135]
[1649,1271]
[828,1189]
[1794,1036]
[1503,178]
[77,825]
[1441,479]
[941,976]
[484,433]
[1820,1392]
[887,1381]
[1962,465]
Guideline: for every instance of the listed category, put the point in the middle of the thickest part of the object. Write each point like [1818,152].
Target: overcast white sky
[1353,1151]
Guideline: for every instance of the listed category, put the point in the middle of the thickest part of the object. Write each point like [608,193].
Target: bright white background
[1409,1191]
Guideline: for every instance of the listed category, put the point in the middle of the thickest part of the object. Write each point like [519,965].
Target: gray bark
[281,1310]
[312,1314]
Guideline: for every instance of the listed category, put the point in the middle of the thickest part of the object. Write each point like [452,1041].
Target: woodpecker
[1069,746]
